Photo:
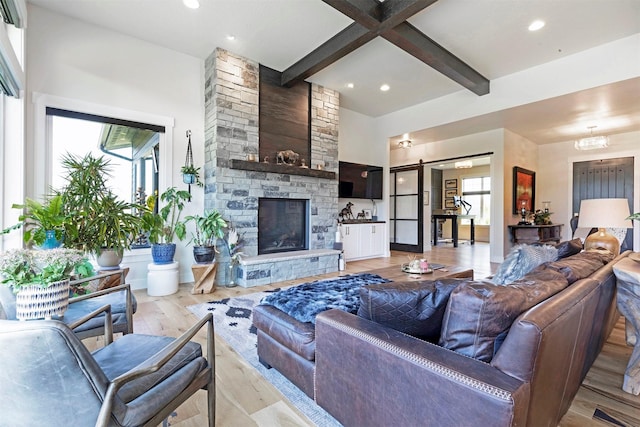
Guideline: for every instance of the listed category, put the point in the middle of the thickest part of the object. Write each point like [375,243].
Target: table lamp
[602,214]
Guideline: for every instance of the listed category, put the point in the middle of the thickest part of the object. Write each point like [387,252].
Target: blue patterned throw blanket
[305,301]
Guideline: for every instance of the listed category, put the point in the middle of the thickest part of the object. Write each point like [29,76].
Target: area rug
[234,323]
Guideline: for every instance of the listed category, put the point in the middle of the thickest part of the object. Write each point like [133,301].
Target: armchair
[120,298]
[50,378]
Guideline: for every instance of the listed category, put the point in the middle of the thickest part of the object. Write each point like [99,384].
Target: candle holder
[523,213]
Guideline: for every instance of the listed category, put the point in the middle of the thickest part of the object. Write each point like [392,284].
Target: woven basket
[34,302]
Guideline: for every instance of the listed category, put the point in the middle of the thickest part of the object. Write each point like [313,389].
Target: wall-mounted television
[358,181]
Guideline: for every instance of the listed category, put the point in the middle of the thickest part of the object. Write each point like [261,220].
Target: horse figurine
[346,213]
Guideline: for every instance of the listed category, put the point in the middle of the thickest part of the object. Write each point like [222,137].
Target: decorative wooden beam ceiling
[387,19]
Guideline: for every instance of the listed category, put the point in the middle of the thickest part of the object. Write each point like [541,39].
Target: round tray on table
[407,269]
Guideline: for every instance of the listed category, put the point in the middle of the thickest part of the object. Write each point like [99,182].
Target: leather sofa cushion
[581,265]
[521,260]
[415,308]
[480,313]
[569,247]
[299,337]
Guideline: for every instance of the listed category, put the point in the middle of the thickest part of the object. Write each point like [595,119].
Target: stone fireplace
[282,225]
[235,186]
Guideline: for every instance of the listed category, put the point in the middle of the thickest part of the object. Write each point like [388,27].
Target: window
[477,192]
[131,148]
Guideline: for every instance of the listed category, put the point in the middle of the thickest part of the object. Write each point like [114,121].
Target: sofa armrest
[368,374]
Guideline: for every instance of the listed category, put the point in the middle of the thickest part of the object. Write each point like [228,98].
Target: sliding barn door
[406,198]
[604,179]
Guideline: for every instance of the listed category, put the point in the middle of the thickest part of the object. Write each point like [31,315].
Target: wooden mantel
[284,169]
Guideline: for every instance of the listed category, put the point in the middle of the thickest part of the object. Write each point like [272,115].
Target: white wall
[555,175]
[71,61]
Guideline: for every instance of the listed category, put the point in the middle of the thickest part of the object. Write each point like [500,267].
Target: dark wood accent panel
[283,169]
[285,117]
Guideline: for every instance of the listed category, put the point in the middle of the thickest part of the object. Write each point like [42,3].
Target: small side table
[204,276]
[162,279]
[627,273]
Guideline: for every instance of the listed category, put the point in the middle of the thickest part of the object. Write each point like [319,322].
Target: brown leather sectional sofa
[367,374]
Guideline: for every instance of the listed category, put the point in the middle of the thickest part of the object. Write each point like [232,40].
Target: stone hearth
[231,134]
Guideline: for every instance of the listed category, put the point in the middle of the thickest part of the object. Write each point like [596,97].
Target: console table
[535,233]
[454,227]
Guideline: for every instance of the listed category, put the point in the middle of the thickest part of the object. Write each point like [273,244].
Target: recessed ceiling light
[536,25]
[231,37]
[191,4]
[350,85]
[385,87]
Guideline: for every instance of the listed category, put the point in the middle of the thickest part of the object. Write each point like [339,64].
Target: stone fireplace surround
[231,134]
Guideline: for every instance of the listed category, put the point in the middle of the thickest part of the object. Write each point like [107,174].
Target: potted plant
[191,175]
[163,227]
[116,226]
[43,223]
[40,279]
[541,217]
[208,229]
[95,220]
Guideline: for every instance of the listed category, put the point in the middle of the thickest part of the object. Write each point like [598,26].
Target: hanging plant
[190,173]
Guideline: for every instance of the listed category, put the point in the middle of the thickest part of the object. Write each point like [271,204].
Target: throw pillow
[480,312]
[521,260]
[568,248]
[415,308]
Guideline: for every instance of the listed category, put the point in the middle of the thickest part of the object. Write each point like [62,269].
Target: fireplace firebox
[282,225]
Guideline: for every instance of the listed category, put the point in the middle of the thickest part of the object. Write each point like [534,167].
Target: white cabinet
[363,240]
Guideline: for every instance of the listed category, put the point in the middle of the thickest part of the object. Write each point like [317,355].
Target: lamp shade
[604,213]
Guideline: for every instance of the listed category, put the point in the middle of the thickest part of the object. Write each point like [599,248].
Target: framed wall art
[449,204]
[450,183]
[450,193]
[524,190]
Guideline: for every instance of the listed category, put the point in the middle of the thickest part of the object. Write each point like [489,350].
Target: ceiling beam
[387,19]
[413,41]
[343,43]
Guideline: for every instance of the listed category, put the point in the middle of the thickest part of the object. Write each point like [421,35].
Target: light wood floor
[244,398]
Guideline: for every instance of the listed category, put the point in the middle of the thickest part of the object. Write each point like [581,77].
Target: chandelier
[405,143]
[464,164]
[592,142]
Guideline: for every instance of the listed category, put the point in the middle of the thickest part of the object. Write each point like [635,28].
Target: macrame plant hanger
[188,161]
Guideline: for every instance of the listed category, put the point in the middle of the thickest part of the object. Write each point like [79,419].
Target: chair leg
[211,400]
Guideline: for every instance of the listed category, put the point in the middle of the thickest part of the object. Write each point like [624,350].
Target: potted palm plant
[95,220]
[208,229]
[165,225]
[43,223]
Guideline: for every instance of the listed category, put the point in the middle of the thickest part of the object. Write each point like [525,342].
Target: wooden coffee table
[396,274]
